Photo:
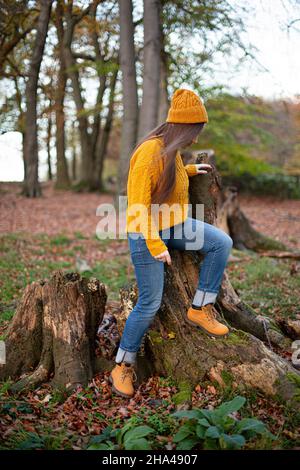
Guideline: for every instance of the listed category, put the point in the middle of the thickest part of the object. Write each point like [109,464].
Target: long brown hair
[174,136]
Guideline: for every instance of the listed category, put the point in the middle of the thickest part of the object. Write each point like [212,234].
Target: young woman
[157,178]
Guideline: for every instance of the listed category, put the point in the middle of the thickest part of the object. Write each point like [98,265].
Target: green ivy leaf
[250,424]
[208,415]
[98,447]
[183,432]
[200,431]
[204,422]
[235,441]
[187,444]
[190,414]
[105,435]
[231,406]
[138,432]
[137,444]
[212,432]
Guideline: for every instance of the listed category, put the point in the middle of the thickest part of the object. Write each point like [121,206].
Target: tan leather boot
[206,319]
[122,377]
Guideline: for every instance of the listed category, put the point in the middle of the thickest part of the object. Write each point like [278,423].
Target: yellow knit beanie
[186,107]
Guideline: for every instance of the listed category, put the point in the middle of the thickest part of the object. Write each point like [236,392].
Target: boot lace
[128,371]
[211,314]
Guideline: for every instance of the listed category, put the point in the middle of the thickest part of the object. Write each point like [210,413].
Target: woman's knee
[149,306]
[228,242]
[223,241]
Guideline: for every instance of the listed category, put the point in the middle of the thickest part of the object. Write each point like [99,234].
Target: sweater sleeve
[191,169]
[143,179]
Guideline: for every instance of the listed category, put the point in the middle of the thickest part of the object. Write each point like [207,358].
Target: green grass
[80,236]
[25,258]
[113,273]
[60,240]
[46,440]
[266,285]
[49,428]
[103,241]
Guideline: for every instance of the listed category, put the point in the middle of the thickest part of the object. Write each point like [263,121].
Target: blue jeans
[214,244]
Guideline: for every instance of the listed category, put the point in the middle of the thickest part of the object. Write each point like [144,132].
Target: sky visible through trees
[273,72]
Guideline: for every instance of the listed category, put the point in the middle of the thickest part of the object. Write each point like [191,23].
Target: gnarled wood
[173,347]
[54,331]
[223,209]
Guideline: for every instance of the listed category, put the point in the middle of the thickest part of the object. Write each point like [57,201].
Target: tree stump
[174,348]
[171,347]
[54,331]
[223,209]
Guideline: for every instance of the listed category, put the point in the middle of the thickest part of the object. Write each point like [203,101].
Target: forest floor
[68,212]
[58,231]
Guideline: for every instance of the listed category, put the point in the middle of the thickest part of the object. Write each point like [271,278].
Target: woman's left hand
[203,168]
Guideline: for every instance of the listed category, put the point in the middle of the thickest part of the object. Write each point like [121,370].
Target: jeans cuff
[125,356]
[203,297]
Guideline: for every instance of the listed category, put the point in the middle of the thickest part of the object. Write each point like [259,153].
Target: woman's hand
[164,256]
[203,168]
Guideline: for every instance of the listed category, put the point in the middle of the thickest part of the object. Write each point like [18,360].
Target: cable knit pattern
[191,169]
[186,107]
[146,165]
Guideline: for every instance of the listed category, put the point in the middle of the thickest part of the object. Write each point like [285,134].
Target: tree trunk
[173,347]
[243,234]
[86,154]
[74,153]
[104,136]
[225,211]
[72,71]
[240,315]
[62,174]
[54,331]
[130,97]
[21,121]
[31,183]
[89,132]
[102,77]
[151,73]
[49,131]
[163,88]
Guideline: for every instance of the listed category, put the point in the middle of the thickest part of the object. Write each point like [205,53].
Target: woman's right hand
[164,256]
[203,168]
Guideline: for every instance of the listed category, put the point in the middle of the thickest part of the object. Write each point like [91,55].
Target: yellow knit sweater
[143,174]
